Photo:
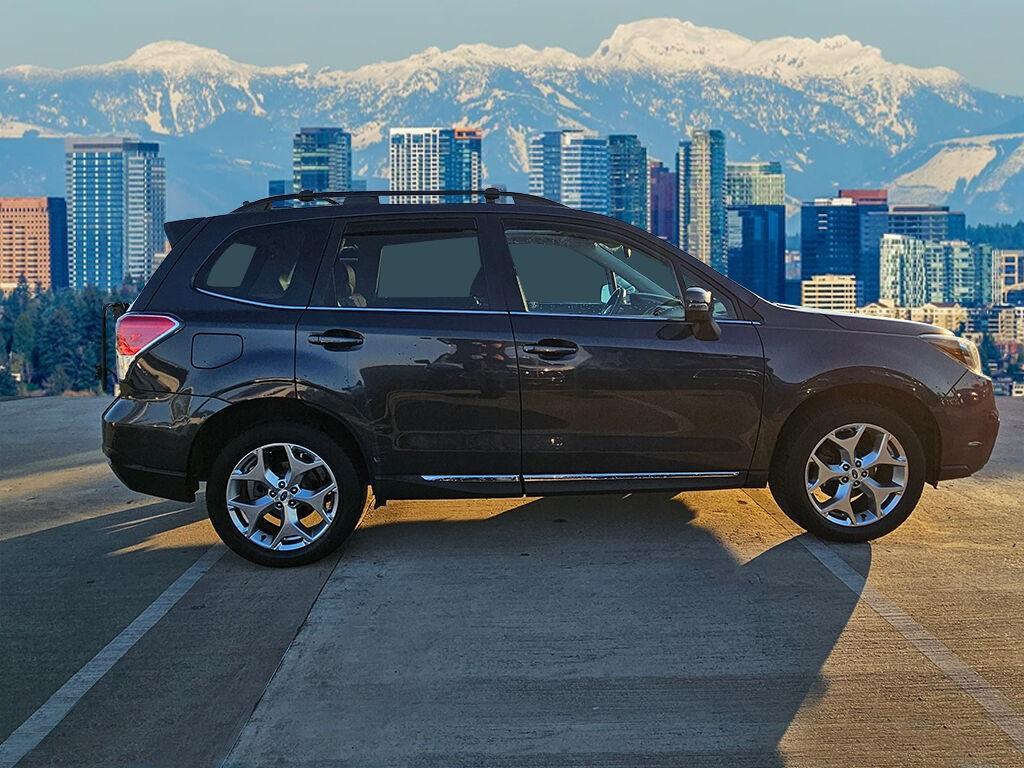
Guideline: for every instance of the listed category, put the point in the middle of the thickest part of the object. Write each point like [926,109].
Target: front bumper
[968,426]
[148,443]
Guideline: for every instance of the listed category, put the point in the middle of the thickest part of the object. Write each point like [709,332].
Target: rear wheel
[849,472]
[284,494]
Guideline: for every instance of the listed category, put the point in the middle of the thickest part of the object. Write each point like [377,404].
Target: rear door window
[383,267]
[270,263]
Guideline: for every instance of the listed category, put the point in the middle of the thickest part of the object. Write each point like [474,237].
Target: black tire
[354,499]
[787,478]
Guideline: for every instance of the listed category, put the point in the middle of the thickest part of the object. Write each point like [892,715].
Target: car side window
[390,269]
[579,273]
[270,263]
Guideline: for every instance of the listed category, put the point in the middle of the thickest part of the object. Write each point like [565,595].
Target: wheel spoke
[253,511]
[842,503]
[879,492]
[258,472]
[297,467]
[317,500]
[848,445]
[880,455]
[826,472]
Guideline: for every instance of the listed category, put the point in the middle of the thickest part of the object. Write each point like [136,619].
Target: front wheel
[284,494]
[849,472]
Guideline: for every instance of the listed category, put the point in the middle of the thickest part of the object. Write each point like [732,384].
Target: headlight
[964,351]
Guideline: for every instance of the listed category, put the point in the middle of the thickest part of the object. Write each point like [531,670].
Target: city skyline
[932,141]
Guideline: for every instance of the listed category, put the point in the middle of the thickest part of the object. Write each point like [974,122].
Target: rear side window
[272,263]
[388,269]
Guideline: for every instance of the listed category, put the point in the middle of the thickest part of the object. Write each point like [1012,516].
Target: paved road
[604,631]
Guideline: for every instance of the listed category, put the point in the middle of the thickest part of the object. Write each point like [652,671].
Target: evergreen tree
[8,386]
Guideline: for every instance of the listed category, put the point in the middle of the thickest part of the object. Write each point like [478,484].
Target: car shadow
[591,630]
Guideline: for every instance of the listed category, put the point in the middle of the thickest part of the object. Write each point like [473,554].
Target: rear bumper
[968,425]
[148,443]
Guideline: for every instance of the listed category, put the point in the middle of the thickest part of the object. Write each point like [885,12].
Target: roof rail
[372,197]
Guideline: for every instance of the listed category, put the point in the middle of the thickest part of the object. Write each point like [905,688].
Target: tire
[284,448]
[792,477]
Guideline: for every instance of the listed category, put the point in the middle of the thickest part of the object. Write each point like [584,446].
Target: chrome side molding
[579,478]
[629,476]
[471,478]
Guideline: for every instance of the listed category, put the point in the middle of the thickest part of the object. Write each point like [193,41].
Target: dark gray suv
[294,358]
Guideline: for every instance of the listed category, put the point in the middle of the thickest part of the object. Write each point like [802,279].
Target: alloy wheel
[856,474]
[282,496]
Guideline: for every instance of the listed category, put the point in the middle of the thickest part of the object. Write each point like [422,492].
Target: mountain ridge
[834,110]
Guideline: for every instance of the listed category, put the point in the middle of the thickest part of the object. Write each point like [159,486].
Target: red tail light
[136,333]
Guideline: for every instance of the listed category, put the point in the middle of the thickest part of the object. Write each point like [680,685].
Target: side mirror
[697,304]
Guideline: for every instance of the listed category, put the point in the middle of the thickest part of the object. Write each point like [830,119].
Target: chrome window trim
[411,309]
[240,300]
[268,305]
[521,313]
[517,313]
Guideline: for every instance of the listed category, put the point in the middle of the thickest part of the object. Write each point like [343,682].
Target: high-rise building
[834,292]
[33,242]
[434,159]
[840,235]
[664,202]
[321,160]
[903,272]
[926,222]
[628,195]
[571,167]
[915,272]
[755,183]
[1007,274]
[466,171]
[757,249]
[968,269]
[545,157]
[700,164]
[116,193]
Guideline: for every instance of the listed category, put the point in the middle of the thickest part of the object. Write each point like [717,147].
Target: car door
[616,389]
[408,339]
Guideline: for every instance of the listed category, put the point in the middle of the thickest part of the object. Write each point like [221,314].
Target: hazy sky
[983,39]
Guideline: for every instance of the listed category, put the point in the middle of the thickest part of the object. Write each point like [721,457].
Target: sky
[983,39]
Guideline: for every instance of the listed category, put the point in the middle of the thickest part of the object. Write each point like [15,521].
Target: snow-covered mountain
[834,111]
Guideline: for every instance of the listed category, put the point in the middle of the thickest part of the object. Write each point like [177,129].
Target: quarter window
[405,270]
[273,263]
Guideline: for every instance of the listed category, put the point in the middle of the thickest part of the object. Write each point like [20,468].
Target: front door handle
[337,339]
[552,348]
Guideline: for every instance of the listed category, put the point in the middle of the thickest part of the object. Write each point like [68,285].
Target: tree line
[50,340]
[1004,236]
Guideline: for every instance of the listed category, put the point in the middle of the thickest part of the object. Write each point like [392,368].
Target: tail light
[137,333]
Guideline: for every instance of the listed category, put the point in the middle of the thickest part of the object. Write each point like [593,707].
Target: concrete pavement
[601,631]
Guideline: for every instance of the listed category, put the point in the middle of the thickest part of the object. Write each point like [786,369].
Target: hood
[883,325]
[864,323]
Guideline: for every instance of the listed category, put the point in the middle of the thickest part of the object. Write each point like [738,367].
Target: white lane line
[970,682]
[29,734]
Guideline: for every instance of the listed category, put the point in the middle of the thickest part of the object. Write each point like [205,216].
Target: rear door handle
[552,348]
[337,339]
